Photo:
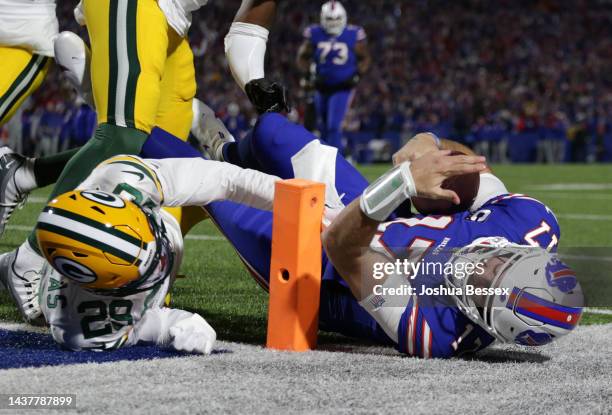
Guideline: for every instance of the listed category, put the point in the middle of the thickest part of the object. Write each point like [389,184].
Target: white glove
[193,335]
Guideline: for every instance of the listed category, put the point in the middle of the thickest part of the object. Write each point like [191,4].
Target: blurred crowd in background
[519,80]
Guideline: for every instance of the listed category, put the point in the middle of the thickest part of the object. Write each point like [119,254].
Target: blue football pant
[269,148]
[331,110]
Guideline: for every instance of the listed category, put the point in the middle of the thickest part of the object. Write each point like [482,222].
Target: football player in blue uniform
[503,284]
[340,57]
[535,297]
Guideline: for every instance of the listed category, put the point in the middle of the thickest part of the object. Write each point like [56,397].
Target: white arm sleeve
[245,49]
[197,182]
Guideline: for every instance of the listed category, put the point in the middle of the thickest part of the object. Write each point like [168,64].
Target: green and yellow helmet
[101,241]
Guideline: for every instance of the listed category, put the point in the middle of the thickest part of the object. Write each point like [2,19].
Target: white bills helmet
[542,301]
[333,17]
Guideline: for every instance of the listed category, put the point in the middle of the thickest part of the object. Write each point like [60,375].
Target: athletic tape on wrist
[383,196]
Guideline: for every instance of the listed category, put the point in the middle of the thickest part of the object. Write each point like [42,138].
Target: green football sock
[48,169]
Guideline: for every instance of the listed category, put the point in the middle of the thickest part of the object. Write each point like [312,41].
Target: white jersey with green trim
[83,319]
[28,24]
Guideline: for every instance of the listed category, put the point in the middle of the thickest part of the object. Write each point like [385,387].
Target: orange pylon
[295,269]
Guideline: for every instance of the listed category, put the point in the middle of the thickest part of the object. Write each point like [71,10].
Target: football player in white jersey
[112,253]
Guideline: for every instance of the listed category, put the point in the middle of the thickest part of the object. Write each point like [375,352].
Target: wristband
[383,196]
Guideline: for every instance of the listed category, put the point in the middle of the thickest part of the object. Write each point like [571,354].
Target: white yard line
[573,196]
[592,310]
[586,257]
[197,237]
[584,216]
[34,199]
[571,186]
[22,327]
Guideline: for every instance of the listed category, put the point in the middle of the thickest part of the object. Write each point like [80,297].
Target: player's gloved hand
[353,80]
[267,96]
[193,335]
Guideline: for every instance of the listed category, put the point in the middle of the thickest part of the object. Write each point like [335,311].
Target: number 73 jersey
[334,56]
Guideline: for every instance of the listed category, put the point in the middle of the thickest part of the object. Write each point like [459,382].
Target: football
[466,186]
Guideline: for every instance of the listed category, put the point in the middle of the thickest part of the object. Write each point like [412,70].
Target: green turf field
[218,287]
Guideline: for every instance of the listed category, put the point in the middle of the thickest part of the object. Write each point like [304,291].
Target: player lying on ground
[114,253]
[18,178]
[286,149]
[545,298]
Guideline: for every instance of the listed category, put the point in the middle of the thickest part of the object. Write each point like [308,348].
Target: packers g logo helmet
[96,239]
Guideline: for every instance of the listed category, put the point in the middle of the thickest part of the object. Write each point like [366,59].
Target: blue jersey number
[340,53]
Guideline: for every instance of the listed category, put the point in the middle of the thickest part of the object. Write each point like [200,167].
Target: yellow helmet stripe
[92,236]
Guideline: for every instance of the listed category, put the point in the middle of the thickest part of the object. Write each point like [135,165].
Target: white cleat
[20,272]
[10,196]
[209,131]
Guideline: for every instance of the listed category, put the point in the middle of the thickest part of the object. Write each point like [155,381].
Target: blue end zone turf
[26,349]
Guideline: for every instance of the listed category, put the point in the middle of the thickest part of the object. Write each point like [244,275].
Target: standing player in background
[341,57]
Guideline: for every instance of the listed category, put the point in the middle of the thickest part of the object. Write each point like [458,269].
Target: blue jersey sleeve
[308,32]
[360,33]
[429,328]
